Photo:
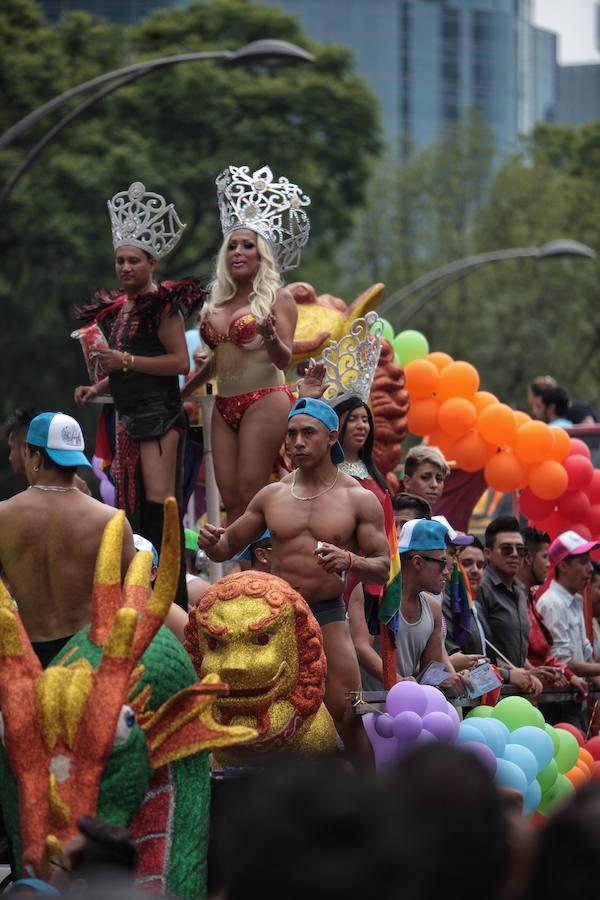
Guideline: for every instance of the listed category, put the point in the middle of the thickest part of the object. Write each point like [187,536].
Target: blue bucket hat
[422,534]
[320,410]
[60,436]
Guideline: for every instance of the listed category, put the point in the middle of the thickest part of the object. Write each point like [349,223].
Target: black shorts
[47,650]
[328,611]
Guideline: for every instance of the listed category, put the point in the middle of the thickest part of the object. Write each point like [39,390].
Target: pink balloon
[406,695]
[440,725]
[407,725]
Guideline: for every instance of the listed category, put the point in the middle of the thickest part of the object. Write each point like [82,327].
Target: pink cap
[569,543]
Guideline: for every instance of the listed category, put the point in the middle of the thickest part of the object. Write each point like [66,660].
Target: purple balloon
[435,700]
[406,696]
[426,737]
[483,753]
[407,725]
[384,726]
[385,750]
[451,711]
[440,725]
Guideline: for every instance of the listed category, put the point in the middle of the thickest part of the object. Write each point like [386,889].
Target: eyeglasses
[509,549]
[442,562]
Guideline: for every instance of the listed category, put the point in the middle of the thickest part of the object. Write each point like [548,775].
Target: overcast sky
[576,24]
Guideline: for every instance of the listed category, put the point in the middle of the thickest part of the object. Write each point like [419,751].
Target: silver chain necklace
[314,496]
[53,487]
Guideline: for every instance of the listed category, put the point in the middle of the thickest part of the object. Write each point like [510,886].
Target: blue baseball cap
[320,410]
[245,555]
[422,534]
[37,886]
[60,436]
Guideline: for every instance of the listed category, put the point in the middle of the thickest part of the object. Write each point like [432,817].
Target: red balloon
[533,507]
[593,747]
[574,506]
[593,519]
[576,732]
[596,775]
[582,530]
[579,448]
[593,488]
[554,524]
[580,472]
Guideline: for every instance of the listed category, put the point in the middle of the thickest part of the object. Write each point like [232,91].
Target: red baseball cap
[569,543]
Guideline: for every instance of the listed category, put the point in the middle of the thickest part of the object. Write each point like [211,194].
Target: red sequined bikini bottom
[233,408]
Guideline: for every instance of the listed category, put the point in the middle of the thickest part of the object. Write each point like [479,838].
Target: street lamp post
[436,281]
[267,50]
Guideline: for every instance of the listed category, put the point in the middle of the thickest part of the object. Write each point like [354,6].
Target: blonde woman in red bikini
[248,323]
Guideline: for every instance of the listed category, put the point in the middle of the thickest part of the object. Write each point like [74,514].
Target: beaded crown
[145,220]
[271,208]
[351,362]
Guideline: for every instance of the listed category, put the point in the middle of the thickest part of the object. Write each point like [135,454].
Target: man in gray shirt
[503,604]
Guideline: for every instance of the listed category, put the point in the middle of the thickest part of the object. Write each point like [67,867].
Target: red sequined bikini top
[241,331]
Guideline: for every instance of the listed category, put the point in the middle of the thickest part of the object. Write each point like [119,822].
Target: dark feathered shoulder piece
[185,296]
[103,303]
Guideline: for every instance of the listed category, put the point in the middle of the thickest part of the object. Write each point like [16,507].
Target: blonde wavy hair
[265,285]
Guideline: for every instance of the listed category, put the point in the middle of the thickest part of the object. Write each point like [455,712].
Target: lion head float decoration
[258,635]
[118,726]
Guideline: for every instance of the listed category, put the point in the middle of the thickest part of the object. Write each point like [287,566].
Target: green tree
[175,130]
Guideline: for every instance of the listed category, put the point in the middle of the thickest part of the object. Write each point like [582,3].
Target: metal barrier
[371,701]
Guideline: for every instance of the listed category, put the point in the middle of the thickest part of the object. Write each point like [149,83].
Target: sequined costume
[236,368]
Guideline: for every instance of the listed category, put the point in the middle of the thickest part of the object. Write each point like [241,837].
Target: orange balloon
[561,444]
[497,424]
[548,480]
[504,472]
[422,379]
[576,777]
[534,442]
[443,442]
[456,416]
[423,417]
[439,359]
[521,417]
[586,757]
[471,452]
[481,399]
[459,379]
[583,766]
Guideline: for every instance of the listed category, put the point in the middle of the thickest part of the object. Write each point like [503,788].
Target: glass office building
[429,61]
[579,94]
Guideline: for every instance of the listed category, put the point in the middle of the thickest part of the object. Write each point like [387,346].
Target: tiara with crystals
[271,208]
[351,362]
[145,220]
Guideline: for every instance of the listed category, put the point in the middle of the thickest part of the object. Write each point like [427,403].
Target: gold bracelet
[132,363]
[124,363]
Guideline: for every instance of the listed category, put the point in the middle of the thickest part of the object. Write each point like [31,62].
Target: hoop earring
[36,468]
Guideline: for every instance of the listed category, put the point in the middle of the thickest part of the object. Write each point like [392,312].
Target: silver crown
[351,362]
[145,220]
[271,208]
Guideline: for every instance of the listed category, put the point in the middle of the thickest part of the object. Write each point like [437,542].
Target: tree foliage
[175,130]
[513,320]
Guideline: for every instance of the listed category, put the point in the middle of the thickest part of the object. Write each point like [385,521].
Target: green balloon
[480,712]
[560,791]
[553,732]
[568,751]
[516,712]
[410,345]
[548,776]
[388,331]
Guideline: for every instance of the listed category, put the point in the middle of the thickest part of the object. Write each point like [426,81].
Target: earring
[36,468]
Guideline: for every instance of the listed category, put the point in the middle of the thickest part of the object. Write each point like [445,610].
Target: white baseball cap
[569,543]
[60,436]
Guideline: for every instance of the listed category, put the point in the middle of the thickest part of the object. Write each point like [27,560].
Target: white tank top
[412,639]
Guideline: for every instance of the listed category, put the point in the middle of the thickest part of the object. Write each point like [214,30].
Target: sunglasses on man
[509,549]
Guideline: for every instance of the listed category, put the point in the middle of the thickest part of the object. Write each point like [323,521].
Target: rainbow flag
[392,592]
[461,604]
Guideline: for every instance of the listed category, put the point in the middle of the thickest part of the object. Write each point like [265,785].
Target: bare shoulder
[434,606]
[285,297]
[269,493]
[366,503]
